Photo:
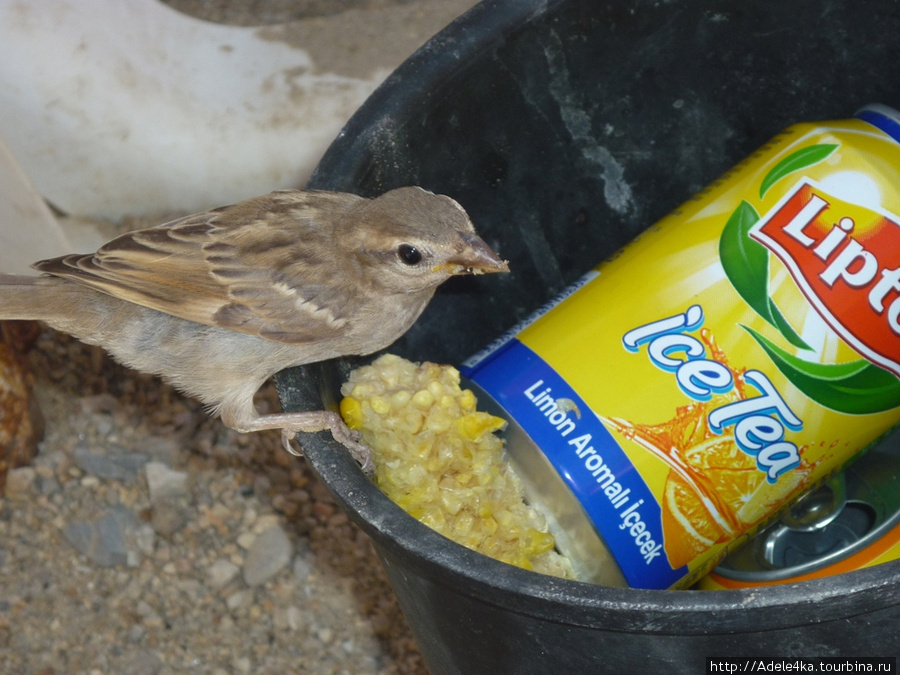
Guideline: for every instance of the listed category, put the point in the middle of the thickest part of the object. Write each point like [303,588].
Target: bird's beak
[473,257]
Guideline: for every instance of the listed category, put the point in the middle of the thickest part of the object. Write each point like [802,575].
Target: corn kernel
[399,399]
[351,411]
[423,398]
[379,405]
[540,541]
[467,400]
[438,422]
[474,425]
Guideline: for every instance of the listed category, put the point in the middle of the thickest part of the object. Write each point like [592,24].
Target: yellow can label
[739,351]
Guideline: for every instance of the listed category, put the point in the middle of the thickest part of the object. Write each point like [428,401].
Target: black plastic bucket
[565,128]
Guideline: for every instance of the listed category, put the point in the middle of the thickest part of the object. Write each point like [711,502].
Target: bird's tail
[23,297]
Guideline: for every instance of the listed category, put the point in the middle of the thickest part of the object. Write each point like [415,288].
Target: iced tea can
[738,353]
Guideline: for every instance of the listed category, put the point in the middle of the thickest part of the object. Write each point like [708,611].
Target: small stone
[143,663]
[44,471]
[123,466]
[149,616]
[98,403]
[165,483]
[267,555]
[279,619]
[161,448]
[104,425]
[144,539]
[153,620]
[112,495]
[226,624]
[242,664]
[90,481]
[209,517]
[294,617]
[20,482]
[249,517]
[48,485]
[301,568]
[136,633]
[108,540]
[245,540]
[190,588]
[325,635]
[266,522]
[168,517]
[221,573]
[239,600]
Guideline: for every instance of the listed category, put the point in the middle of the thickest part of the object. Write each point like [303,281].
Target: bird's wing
[254,267]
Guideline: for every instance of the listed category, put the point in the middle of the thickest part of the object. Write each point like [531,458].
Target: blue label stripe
[876,118]
[588,458]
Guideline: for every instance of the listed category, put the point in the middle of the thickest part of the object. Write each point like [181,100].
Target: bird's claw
[349,438]
[287,440]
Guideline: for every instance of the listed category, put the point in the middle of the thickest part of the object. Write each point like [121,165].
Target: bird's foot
[310,422]
[350,439]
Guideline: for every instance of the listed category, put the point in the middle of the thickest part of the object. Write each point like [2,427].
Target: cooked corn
[438,458]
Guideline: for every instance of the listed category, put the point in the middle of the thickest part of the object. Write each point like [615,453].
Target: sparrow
[218,302]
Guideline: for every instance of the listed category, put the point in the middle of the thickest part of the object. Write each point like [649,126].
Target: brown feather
[219,267]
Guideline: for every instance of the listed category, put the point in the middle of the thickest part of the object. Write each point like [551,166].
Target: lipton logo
[846,260]
[844,257]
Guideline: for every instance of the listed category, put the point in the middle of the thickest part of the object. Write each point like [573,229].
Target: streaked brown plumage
[219,301]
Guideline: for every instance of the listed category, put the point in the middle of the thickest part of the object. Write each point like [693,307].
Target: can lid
[883,117]
[868,507]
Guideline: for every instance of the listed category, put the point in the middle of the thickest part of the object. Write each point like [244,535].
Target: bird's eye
[409,254]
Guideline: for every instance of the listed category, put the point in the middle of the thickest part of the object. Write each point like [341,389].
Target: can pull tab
[818,508]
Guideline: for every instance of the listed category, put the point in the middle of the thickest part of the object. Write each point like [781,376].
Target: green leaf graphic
[785,328]
[804,157]
[856,388]
[746,264]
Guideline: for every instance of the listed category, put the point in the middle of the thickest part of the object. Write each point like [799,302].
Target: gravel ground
[147,538]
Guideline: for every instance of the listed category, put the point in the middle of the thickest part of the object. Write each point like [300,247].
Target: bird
[217,302]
